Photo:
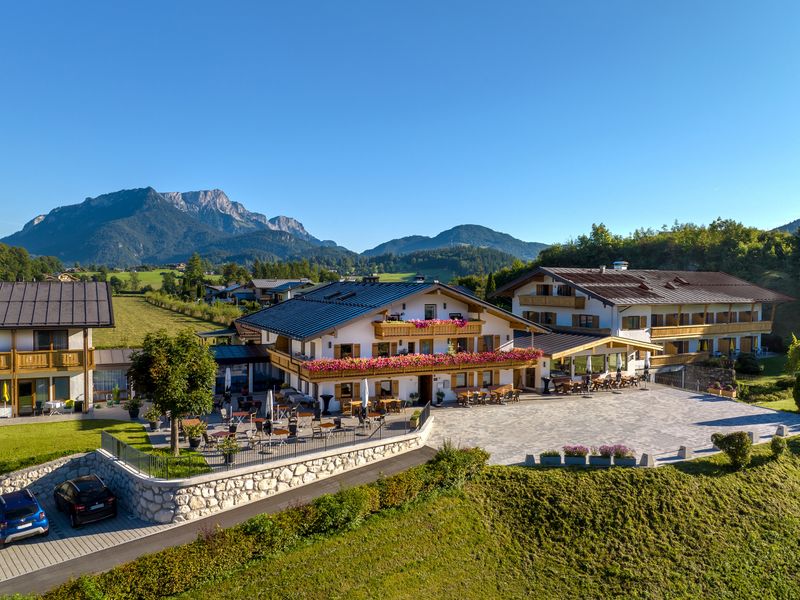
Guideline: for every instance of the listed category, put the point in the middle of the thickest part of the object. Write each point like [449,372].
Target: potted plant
[413,396]
[229,447]
[575,455]
[715,388]
[132,405]
[413,422]
[601,457]
[194,433]
[69,404]
[439,397]
[624,456]
[115,395]
[550,458]
[153,417]
[728,391]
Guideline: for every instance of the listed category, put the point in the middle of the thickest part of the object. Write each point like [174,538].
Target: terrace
[44,360]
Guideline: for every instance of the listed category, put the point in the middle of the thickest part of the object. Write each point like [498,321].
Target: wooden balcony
[45,360]
[391,330]
[5,362]
[300,367]
[578,302]
[680,331]
[664,360]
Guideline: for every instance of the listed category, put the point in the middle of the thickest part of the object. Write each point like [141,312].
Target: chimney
[602,268]
[620,265]
[419,278]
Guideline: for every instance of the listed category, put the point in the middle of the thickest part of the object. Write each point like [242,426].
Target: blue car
[21,516]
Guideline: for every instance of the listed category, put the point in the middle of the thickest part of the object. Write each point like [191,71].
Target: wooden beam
[14,390]
[86,391]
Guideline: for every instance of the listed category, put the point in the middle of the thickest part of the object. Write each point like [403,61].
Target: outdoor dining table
[259,421]
[188,422]
[221,434]
[390,404]
[55,406]
[240,416]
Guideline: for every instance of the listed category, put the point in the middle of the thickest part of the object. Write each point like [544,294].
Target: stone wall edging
[175,501]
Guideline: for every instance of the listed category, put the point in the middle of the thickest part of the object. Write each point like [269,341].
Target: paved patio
[657,421]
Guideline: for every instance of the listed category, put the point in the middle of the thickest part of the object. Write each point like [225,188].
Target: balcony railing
[677,359]
[302,366]
[5,362]
[710,329]
[578,302]
[385,330]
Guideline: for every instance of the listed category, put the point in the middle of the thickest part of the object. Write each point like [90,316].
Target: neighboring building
[110,371]
[46,348]
[426,336]
[232,294]
[272,291]
[691,315]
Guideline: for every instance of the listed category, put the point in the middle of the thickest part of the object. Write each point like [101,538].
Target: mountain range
[144,226]
[789,227]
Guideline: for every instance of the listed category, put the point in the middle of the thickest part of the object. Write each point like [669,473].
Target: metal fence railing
[255,450]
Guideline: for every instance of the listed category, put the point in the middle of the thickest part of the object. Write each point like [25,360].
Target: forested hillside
[17,265]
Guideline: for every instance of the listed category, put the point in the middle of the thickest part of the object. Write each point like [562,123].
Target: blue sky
[372,120]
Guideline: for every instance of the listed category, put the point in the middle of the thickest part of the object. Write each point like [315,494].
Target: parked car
[21,516]
[85,500]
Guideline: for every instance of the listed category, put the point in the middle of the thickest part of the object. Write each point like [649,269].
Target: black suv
[85,500]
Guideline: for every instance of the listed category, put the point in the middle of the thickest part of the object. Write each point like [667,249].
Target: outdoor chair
[364,422]
[316,431]
[515,395]
[39,409]
[223,413]
[209,443]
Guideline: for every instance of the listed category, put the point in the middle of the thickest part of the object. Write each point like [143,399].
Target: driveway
[657,421]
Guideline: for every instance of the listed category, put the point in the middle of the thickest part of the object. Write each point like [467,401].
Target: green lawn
[390,277]
[152,278]
[765,390]
[32,444]
[135,317]
[696,531]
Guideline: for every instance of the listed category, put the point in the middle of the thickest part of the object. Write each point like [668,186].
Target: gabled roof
[273,284]
[650,286]
[557,345]
[50,304]
[328,307]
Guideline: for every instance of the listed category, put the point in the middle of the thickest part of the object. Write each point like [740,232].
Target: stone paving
[657,421]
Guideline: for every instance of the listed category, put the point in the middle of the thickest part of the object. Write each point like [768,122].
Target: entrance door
[26,394]
[425,389]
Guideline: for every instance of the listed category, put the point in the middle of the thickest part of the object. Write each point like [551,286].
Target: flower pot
[231,428]
[600,461]
[575,461]
[413,422]
[194,442]
[628,461]
[153,425]
[133,413]
[550,461]
[229,457]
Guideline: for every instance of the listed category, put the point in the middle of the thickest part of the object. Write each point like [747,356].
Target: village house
[46,351]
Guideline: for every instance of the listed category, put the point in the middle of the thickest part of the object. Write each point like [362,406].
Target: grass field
[698,530]
[443,275]
[152,278]
[389,277]
[35,443]
[134,318]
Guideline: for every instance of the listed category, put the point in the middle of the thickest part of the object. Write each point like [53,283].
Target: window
[461,380]
[634,322]
[547,318]
[460,344]
[386,389]
[710,318]
[698,318]
[657,320]
[704,345]
[531,315]
[347,390]
[50,340]
[383,349]
[671,319]
[564,290]
[346,350]
[486,378]
[430,311]
[488,343]
[61,387]
[722,317]
[589,321]
[412,347]
[544,289]
[426,346]
[684,318]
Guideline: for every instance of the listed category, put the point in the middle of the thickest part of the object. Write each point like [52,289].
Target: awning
[561,345]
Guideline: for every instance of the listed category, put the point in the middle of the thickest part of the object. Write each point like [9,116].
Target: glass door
[25,394]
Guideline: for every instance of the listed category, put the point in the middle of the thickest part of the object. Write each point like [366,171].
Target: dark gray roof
[274,284]
[234,354]
[290,285]
[552,343]
[48,304]
[113,357]
[326,307]
[650,286]
[329,306]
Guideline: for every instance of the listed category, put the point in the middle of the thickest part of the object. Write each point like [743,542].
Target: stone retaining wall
[168,501]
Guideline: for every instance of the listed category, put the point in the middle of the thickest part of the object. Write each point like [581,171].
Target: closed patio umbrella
[364,396]
[269,408]
[227,380]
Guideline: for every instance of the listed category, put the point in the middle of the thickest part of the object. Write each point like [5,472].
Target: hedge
[218,554]
[224,314]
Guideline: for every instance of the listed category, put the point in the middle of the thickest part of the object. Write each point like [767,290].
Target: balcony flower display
[425,323]
[411,361]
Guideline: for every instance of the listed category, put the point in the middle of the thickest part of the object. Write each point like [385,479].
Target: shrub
[737,446]
[778,446]
[796,390]
[454,467]
[403,487]
[784,383]
[345,509]
[576,450]
[747,363]
[550,453]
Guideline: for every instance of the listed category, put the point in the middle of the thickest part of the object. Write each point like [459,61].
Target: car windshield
[21,512]
[94,493]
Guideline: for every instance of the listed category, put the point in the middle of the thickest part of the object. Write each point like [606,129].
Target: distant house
[272,291]
[233,294]
[46,350]
[62,277]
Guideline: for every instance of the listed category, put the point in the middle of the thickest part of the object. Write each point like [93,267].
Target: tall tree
[134,282]
[193,277]
[177,373]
